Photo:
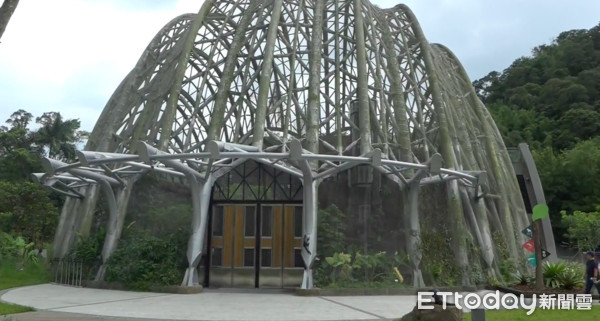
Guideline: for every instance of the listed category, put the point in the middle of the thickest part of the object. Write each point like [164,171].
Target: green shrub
[570,279]
[362,270]
[375,267]
[552,273]
[342,269]
[508,267]
[88,249]
[563,275]
[17,248]
[521,278]
[142,261]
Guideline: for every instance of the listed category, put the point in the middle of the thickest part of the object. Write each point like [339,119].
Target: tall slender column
[217,121]
[413,231]
[265,75]
[75,219]
[310,186]
[112,231]
[201,201]
[309,229]
[362,93]
[313,105]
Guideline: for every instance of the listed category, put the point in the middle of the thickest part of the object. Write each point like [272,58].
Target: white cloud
[489,35]
[70,55]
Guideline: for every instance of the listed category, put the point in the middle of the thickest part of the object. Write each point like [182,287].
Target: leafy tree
[487,85]
[17,165]
[571,179]
[20,119]
[19,155]
[21,149]
[27,210]
[590,80]
[580,122]
[582,228]
[17,136]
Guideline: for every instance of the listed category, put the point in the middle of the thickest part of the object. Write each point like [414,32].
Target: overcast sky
[70,55]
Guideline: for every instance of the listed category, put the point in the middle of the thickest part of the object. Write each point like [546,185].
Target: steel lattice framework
[312,87]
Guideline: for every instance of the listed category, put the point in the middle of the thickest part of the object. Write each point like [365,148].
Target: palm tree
[6,11]
[58,136]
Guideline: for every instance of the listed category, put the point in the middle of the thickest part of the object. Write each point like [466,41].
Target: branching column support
[413,229]
[411,210]
[201,201]
[201,187]
[117,208]
[309,213]
[117,205]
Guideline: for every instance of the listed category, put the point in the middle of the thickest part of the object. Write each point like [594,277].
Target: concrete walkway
[52,300]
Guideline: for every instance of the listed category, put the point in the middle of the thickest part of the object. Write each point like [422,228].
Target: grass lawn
[12,309]
[541,315]
[10,277]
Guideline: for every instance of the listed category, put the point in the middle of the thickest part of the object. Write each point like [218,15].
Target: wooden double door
[256,245]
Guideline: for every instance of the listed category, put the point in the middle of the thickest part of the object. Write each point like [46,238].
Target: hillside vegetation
[551,100]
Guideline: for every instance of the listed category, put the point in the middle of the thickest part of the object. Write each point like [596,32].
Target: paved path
[95,304]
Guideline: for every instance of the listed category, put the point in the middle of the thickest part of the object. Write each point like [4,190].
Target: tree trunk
[6,11]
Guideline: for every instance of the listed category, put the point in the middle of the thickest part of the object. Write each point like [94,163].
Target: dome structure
[313,88]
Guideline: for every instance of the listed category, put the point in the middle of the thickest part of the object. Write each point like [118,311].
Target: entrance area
[256,245]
